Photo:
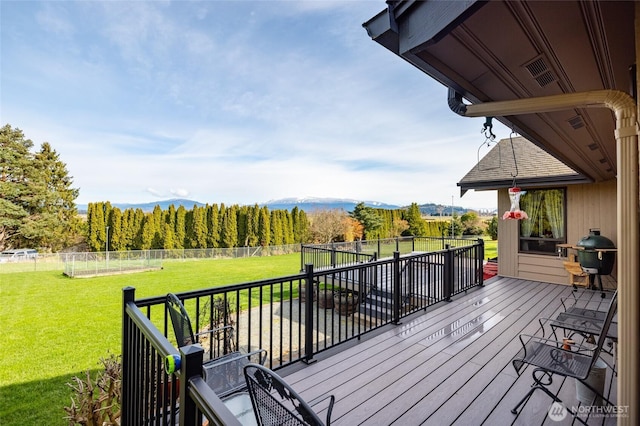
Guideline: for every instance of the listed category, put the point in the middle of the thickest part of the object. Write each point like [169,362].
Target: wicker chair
[276,403]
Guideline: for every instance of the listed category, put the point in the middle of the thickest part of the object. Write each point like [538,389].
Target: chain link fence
[104,263]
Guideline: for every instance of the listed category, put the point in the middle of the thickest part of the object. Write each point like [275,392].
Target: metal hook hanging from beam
[487,128]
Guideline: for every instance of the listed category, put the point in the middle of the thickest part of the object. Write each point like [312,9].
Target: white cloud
[179,192]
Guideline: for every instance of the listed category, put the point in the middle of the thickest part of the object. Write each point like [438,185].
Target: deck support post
[448,273]
[308,314]
[396,287]
[480,262]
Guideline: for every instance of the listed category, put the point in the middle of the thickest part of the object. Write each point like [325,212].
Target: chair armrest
[530,337]
[586,300]
[318,400]
[551,342]
[578,325]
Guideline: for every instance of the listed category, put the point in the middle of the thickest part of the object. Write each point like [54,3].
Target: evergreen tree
[15,170]
[169,226]
[221,214]
[189,238]
[277,236]
[37,203]
[199,220]
[369,219]
[287,226]
[492,228]
[169,238]
[97,226]
[181,222]
[300,225]
[56,223]
[264,227]
[230,228]
[116,231]
[417,225]
[158,226]
[253,239]
[213,226]
[136,227]
[128,233]
[242,220]
[148,232]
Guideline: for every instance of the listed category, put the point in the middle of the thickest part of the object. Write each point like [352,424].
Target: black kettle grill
[597,255]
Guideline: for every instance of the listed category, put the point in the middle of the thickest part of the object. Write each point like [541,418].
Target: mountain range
[308,204]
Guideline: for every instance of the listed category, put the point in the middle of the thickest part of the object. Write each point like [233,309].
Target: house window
[547,223]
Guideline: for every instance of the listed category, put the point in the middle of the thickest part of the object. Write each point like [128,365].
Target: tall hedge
[214,225]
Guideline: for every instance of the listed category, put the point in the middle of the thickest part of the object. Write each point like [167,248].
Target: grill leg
[600,284]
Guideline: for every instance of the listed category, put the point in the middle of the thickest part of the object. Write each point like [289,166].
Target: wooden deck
[449,365]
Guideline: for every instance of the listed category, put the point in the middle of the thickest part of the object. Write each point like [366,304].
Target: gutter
[619,102]
[628,202]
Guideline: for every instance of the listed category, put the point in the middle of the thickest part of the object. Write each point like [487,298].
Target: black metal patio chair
[223,367]
[221,340]
[584,322]
[550,358]
[276,403]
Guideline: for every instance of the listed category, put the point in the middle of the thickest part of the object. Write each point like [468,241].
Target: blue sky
[231,101]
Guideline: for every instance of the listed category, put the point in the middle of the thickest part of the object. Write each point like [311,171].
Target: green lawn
[56,327]
[490,248]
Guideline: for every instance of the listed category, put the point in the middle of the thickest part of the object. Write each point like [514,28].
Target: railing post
[333,255]
[191,359]
[397,243]
[413,244]
[480,261]
[448,273]
[396,287]
[308,315]
[128,295]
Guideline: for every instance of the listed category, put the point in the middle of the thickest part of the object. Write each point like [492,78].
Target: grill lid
[592,261]
[595,241]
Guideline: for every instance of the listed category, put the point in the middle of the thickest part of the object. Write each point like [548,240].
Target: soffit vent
[593,146]
[576,122]
[540,71]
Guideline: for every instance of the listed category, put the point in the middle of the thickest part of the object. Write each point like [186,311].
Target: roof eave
[540,182]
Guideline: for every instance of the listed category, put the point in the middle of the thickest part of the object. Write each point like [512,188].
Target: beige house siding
[588,206]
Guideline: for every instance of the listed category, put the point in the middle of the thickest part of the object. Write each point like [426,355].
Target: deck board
[448,365]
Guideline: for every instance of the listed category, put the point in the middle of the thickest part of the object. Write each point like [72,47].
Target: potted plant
[325,299]
[345,302]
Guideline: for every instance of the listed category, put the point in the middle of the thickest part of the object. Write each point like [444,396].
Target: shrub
[96,402]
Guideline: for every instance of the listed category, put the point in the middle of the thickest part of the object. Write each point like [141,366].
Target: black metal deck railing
[332,255]
[294,318]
